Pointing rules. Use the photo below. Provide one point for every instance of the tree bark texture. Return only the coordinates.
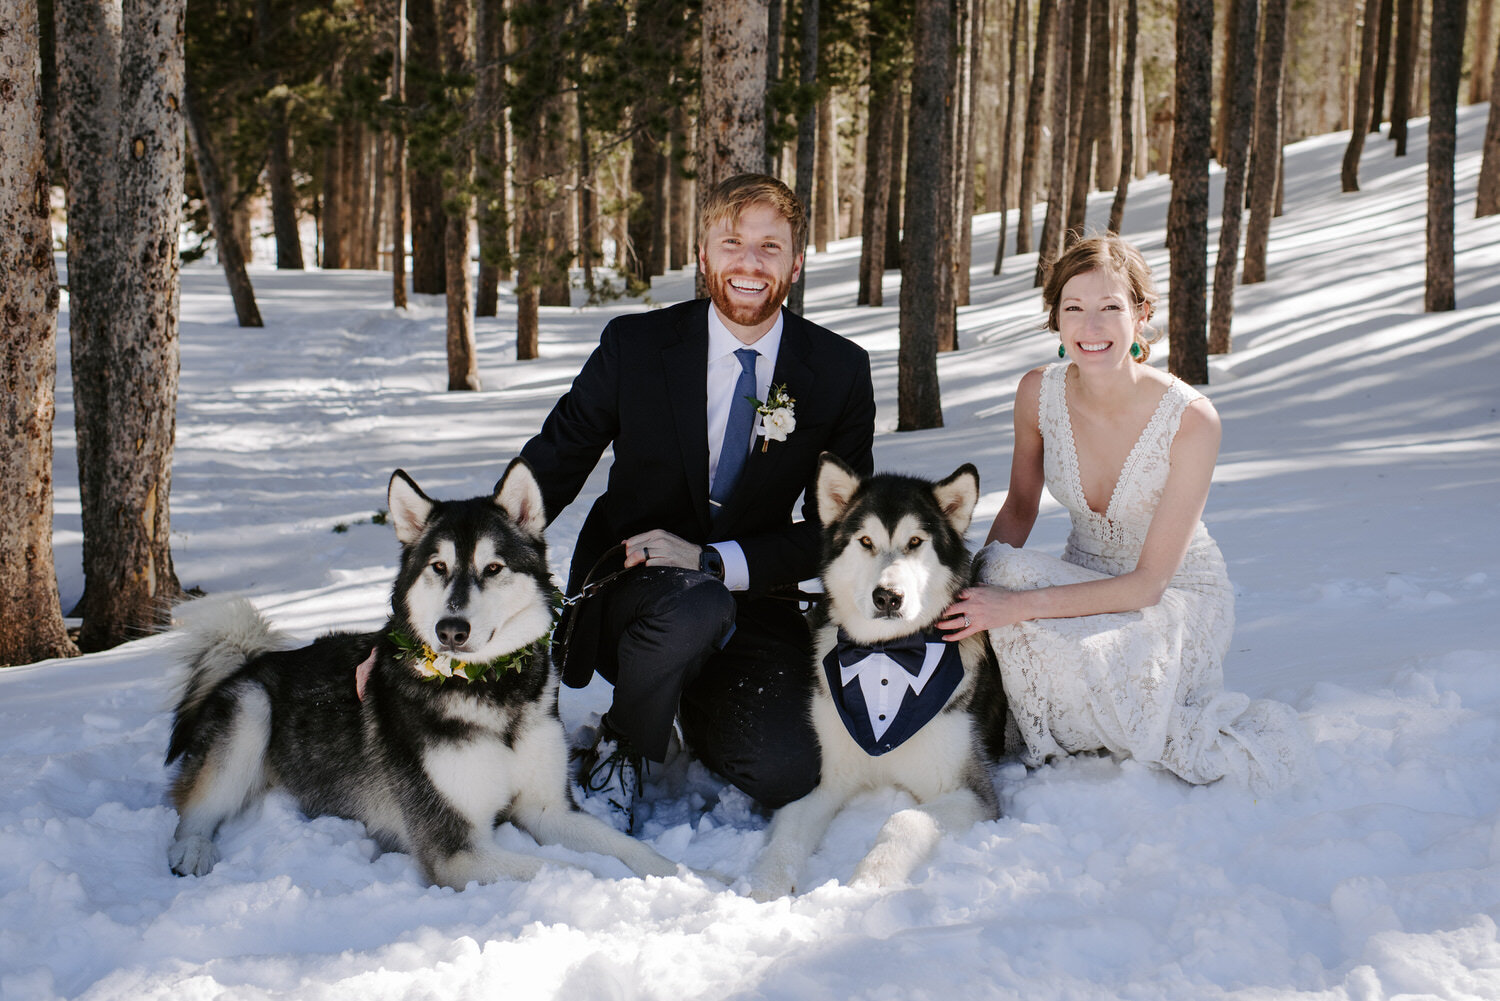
(1127, 116)
(825, 202)
(965, 76)
(680, 190)
(807, 137)
(645, 162)
(927, 310)
(1057, 189)
(1018, 18)
(1408, 27)
(541, 174)
(1442, 141)
(885, 102)
(1227, 75)
(457, 41)
(398, 163)
(425, 186)
(1265, 161)
(1187, 213)
(1078, 57)
(492, 216)
(1485, 46)
(1036, 99)
(1238, 114)
(1382, 63)
(1369, 36)
(231, 256)
(1487, 201)
(31, 624)
(731, 123)
(120, 89)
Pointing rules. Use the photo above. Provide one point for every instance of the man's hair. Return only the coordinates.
(734, 195)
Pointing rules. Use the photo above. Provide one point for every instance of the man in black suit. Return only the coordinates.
(701, 494)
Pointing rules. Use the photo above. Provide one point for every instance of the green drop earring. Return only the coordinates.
(1062, 352)
(1135, 349)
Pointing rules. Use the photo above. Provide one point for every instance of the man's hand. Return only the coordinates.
(658, 548)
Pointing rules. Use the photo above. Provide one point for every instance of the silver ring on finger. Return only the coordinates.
(966, 622)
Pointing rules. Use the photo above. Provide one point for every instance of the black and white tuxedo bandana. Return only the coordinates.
(885, 692)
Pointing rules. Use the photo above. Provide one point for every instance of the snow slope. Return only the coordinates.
(1355, 500)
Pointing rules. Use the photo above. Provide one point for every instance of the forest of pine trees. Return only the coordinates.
(558, 147)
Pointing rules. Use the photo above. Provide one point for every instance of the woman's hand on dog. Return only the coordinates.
(658, 548)
(978, 609)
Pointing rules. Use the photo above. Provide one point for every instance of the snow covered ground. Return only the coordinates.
(1355, 500)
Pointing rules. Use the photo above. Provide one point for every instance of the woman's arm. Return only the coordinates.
(1017, 515)
(1194, 451)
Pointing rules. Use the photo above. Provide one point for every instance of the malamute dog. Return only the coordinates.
(447, 729)
(893, 703)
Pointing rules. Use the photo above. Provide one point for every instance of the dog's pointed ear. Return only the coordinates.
(837, 482)
(957, 495)
(519, 495)
(410, 507)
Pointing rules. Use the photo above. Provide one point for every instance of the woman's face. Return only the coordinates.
(1097, 319)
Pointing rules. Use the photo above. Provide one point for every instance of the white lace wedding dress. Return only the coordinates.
(1148, 684)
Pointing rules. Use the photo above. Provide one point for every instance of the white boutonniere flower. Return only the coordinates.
(778, 416)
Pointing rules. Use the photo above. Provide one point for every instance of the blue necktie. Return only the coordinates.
(736, 448)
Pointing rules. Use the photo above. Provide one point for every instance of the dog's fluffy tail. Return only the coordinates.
(219, 637)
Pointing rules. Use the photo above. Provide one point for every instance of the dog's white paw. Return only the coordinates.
(772, 883)
(193, 855)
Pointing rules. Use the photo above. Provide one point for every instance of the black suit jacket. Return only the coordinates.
(644, 390)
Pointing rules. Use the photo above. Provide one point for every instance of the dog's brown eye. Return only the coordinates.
(493, 568)
(916, 540)
(867, 542)
(440, 568)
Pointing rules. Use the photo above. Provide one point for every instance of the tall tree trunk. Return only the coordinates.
(398, 164)
(967, 27)
(231, 257)
(1239, 114)
(894, 203)
(489, 155)
(1442, 140)
(1017, 20)
(333, 201)
(278, 154)
(1487, 201)
(428, 224)
(31, 624)
(1265, 161)
(774, 21)
(1057, 188)
(120, 88)
(1127, 116)
(1228, 73)
(644, 163)
(1036, 98)
(1480, 87)
(885, 101)
(1382, 63)
(731, 124)
(825, 203)
(458, 61)
(680, 190)
(537, 111)
(927, 310)
(807, 135)
(1079, 150)
(1408, 27)
(1349, 174)
(1187, 213)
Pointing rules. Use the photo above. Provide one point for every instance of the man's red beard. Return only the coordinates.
(746, 314)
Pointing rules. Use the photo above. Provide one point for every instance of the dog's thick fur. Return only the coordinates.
(430, 768)
(893, 560)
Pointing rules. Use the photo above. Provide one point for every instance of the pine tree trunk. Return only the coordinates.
(731, 122)
(1487, 201)
(398, 164)
(927, 310)
(1266, 157)
(333, 203)
(1227, 75)
(1036, 98)
(825, 201)
(1480, 87)
(643, 208)
(1442, 140)
(457, 41)
(967, 27)
(120, 90)
(807, 138)
(1057, 189)
(884, 102)
(537, 117)
(679, 191)
(1239, 114)
(895, 201)
(1080, 150)
(231, 257)
(1187, 213)
(1349, 174)
(1017, 20)
(31, 624)
(1382, 63)
(1096, 122)
(1127, 116)
(1406, 51)
(428, 225)
(491, 154)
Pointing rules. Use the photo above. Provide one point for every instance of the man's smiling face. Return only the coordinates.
(749, 264)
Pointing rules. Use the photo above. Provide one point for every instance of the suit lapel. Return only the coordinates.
(685, 369)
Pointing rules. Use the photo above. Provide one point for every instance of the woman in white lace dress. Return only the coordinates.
(1120, 644)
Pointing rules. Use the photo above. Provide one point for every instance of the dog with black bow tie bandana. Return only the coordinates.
(894, 704)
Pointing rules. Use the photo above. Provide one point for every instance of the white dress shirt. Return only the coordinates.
(723, 374)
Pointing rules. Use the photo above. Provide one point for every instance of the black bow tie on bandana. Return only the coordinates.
(908, 651)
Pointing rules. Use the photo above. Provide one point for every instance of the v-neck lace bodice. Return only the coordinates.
(1111, 542)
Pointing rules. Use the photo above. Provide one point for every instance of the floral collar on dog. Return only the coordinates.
(886, 692)
(440, 667)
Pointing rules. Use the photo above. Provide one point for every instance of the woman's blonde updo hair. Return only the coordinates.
(1119, 260)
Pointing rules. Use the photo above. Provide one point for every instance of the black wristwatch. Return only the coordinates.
(710, 562)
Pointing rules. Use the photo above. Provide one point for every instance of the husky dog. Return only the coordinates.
(448, 728)
(893, 704)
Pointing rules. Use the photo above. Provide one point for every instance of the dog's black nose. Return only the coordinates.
(453, 631)
(887, 602)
